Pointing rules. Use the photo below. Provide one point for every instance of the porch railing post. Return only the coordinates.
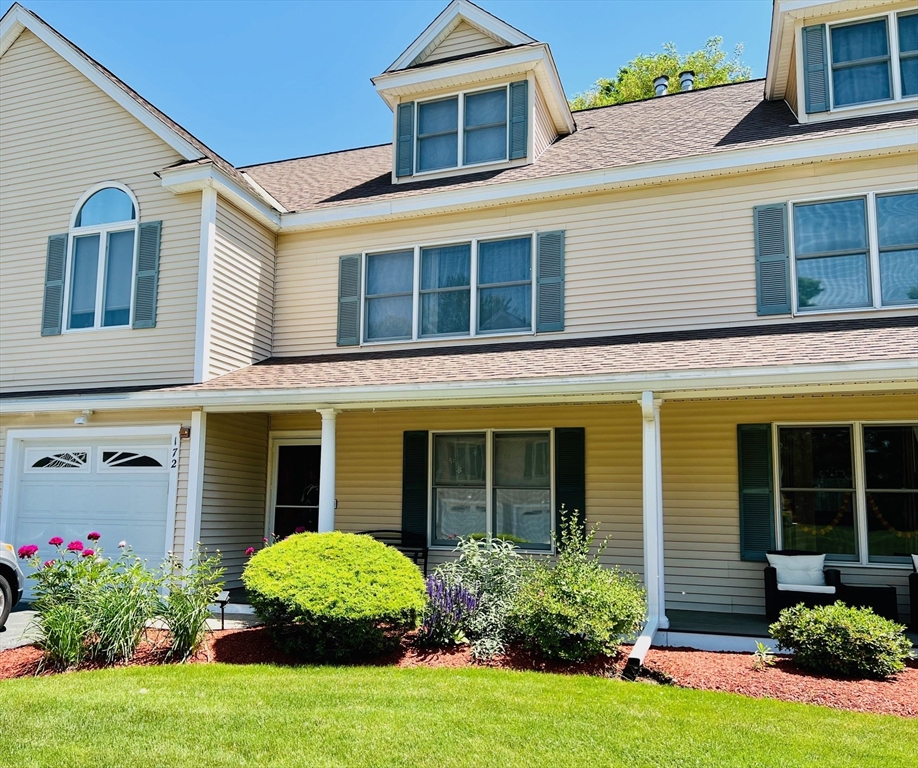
(327, 471)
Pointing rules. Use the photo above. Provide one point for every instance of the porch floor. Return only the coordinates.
(740, 624)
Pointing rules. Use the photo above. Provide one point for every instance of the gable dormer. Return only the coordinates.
(834, 59)
(471, 93)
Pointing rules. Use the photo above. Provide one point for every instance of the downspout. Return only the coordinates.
(653, 533)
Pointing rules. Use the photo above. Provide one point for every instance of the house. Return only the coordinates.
(690, 319)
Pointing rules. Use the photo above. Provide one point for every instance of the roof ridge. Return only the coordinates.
(317, 154)
(668, 95)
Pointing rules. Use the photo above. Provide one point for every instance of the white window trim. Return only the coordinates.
(460, 132)
(873, 251)
(474, 287)
(897, 103)
(489, 483)
(103, 230)
(860, 486)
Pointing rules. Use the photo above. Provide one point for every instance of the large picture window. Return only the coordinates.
(101, 264)
(475, 288)
(495, 483)
(850, 491)
(840, 262)
(874, 59)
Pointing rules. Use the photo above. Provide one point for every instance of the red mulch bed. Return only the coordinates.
(734, 672)
(684, 667)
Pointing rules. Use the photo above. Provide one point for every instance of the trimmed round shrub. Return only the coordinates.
(841, 640)
(577, 609)
(335, 596)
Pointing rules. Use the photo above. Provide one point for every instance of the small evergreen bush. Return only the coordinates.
(576, 609)
(841, 640)
(334, 596)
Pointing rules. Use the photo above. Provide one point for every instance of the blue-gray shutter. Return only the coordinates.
(53, 306)
(815, 69)
(519, 119)
(146, 283)
(772, 260)
(570, 474)
(550, 281)
(404, 164)
(756, 492)
(349, 301)
(415, 482)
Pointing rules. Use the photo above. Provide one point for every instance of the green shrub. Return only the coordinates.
(185, 606)
(576, 608)
(841, 640)
(334, 596)
(490, 571)
(62, 629)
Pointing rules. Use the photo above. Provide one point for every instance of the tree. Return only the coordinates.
(635, 80)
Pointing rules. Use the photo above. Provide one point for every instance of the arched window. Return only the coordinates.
(103, 241)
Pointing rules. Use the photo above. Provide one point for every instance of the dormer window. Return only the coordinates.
(857, 64)
(467, 129)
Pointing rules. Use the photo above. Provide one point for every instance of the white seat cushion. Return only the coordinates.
(915, 562)
(823, 590)
(799, 569)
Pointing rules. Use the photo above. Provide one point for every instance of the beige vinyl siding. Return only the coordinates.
(61, 136)
(235, 475)
(674, 257)
(113, 419)
(464, 40)
(790, 93)
(543, 129)
(243, 291)
(369, 464)
(701, 494)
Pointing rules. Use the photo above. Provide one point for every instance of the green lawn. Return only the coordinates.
(218, 715)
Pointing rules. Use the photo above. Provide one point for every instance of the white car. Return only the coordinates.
(11, 581)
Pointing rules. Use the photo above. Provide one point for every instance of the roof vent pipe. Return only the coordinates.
(660, 85)
(687, 80)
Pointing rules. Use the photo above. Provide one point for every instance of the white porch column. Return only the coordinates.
(653, 509)
(327, 471)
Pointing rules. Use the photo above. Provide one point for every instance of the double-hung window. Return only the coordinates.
(842, 261)
(462, 130)
(873, 60)
(492, 483)
(474, 288)
(850, 490)
(101, 266)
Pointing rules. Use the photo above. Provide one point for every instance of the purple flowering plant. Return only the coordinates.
(449, 605)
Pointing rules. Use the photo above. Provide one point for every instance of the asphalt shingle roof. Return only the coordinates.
(870, 339)
(680, 125)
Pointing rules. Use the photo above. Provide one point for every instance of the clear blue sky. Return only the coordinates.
(261, 81)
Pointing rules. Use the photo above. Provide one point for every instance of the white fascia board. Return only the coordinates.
(18, 18)
(477, 17)
(194, 178)
(392, 85)
(889, 140)
(865, 376)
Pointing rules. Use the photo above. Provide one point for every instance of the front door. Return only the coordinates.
(296, 489)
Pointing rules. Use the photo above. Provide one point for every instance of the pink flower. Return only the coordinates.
(88, 552)
(48, 563)
(122, 544)
(250, 551)
(75, 546)
(94, 536)
(300, 529)
(27, 551)
(264, 539)
(56, 541)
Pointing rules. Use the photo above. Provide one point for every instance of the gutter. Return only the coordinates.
(641, 646)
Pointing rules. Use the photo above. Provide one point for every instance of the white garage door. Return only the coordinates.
(117, 487)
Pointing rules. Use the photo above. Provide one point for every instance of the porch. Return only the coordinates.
(706, 583)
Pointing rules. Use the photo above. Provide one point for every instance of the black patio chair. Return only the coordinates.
(776, 600)
(412, 545)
